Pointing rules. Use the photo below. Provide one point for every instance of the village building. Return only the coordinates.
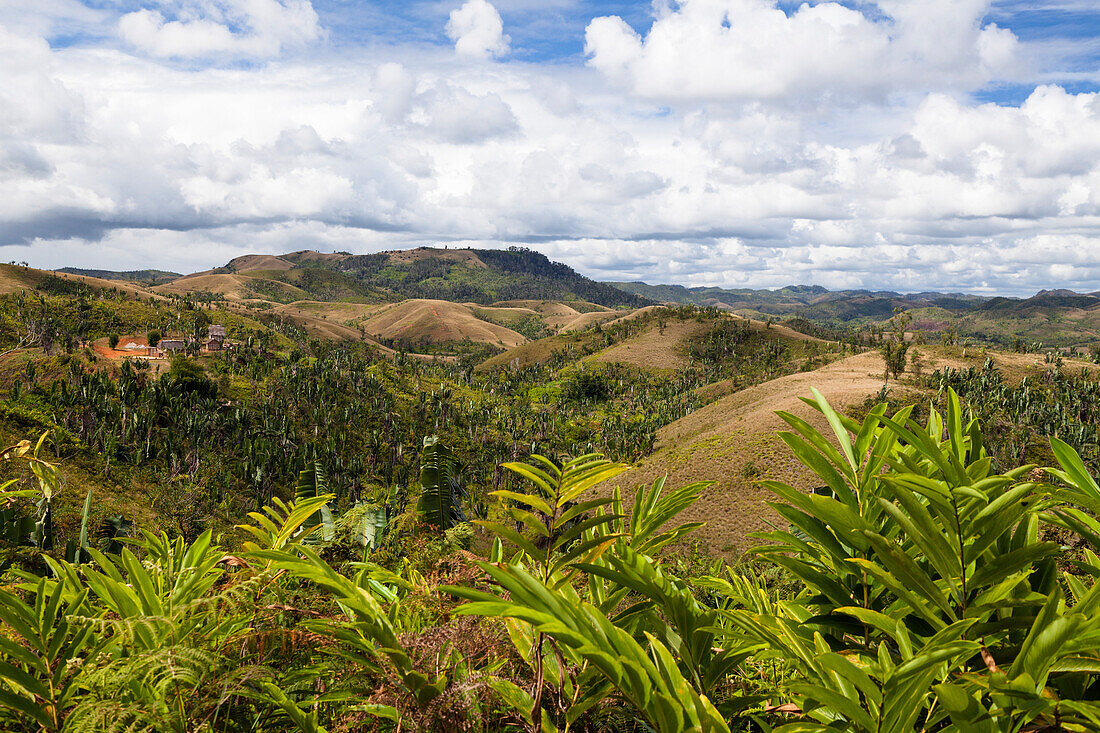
(172, 346)
(215, 338)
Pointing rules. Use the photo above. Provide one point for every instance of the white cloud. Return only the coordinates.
(205, 28)
(113, 158)
(752, 49)
(477, 30)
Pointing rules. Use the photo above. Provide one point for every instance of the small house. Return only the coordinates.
(215, 338)
(172, 346)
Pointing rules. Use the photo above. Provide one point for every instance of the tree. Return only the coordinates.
(894, 347)
(152, 338)
(112, 340)
(191, 377)
(202, 320)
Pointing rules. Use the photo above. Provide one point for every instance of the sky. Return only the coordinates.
(910, 145)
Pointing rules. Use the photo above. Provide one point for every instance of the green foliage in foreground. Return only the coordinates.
(928, 598)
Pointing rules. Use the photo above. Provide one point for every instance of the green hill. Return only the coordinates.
(152, 277)
(481, 276)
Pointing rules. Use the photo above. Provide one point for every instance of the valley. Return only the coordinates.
(373, 427)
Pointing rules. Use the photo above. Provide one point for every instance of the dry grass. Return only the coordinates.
(533, 352)
(585, 320)
(1014, 366)
(231, 287)
(656, 347)
(324, 329)
(309, 255)
(436, 321)
(545, 307)
(502, 315)
(733, 441)
(259, 262)
(635, 314)
(451, 255)
(347, 314)
(14, 278)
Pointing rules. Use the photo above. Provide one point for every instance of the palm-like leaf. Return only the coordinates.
(646, 675)
(441, 491)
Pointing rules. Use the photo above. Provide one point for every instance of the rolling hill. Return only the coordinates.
(481, 276)
(808, 301)
(419, 298)
(1054, 318)
(151, 277)
(734, 440)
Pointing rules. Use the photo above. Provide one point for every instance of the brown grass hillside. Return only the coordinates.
(545, 307)
(246, 263)
(232, 287)
(585, 320)
(436, 321)
(464, 256)
(503, 315)
(733, 441)
(14, 278)
(656, 347)
(309, 255)
(666, 347)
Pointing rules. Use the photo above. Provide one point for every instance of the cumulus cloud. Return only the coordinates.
(752, 49)
(477, 30)
(202, 29)
(114, 158)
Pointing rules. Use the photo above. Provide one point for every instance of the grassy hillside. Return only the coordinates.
(327, 616)
(495, 299)
(1059, 318)
(151, 277)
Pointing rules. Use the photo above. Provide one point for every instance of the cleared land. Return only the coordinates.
(259, 262)
(427, 253)
(733, 441)
(14, 278)
(657, 347)
(232, 287)
(436, 321)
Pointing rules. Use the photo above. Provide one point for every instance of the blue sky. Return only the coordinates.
(554, 31)
(907, 144)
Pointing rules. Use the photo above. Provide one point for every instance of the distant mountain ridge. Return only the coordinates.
(809, 301)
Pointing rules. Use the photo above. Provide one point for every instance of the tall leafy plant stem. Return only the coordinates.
(962, 552)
